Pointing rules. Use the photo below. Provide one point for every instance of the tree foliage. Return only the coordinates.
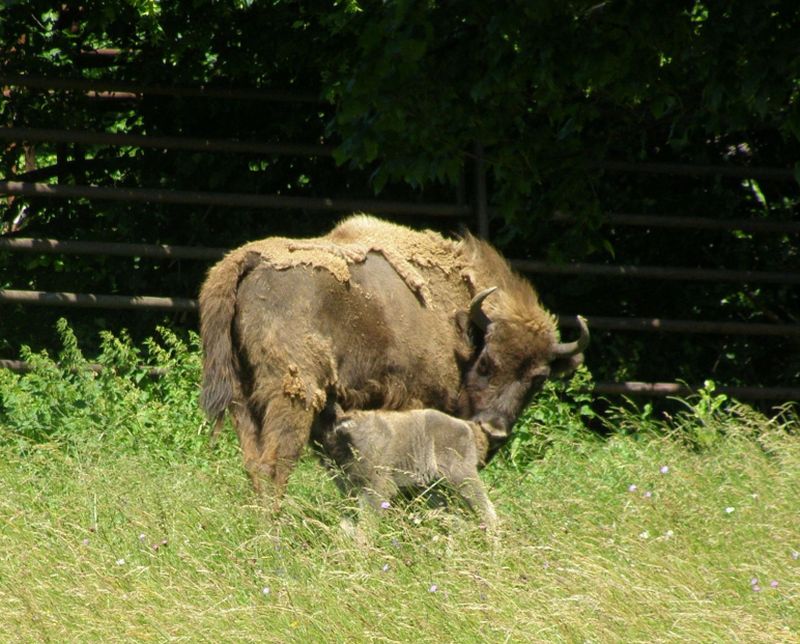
(551, 89)
(409, 92)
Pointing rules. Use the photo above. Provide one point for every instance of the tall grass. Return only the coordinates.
(118, 522)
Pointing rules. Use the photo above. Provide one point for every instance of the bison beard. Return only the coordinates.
(375, 316)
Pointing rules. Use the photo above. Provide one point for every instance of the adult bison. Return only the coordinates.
(375, 316)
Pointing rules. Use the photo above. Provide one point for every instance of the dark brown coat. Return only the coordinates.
(375, 315)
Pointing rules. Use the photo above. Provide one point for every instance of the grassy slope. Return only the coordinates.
(118, 523)
(581, 557)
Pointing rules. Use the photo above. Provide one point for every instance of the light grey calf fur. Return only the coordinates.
(381, 452)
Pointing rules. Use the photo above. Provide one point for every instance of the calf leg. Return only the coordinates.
(473, 492)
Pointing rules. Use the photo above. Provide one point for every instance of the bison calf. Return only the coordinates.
(382, 452)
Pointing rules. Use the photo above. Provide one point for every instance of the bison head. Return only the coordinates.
(512, 359)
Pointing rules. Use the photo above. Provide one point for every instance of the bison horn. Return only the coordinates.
(569, 349)
(476, 314)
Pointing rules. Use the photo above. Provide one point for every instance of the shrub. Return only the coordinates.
(133, 399)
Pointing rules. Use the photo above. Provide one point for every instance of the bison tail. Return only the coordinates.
(217, 308)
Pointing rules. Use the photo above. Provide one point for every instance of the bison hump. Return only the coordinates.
(408, 252)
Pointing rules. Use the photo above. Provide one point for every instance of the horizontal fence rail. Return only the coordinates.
(20, 366)
(667, 389)
(525, 266)
(67, 247)
(655, 272)
(694, 223)
(239, 200)
(690, 170)
(658, 325)
(91, 300)
(134, 89)
(36, 135)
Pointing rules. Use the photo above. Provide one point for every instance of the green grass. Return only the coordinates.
(128, 527)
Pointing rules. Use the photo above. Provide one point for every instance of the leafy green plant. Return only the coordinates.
(560, 410)
(132, 399)
(704, 422)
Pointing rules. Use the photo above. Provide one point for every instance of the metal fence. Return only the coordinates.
(27, 185)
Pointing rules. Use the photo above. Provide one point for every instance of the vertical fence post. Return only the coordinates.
(481, 208)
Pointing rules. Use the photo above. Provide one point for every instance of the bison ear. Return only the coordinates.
(472, 324)
(462, 323)
(565, 366)
(471, 334)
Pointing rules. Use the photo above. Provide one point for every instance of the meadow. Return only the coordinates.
(118, 522)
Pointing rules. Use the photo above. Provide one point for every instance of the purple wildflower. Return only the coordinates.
(632, 487)
(385, 505)
(756, 588)
(664, 469)
(648, 494)
(773, 583)
(433, 588)
(754, 581)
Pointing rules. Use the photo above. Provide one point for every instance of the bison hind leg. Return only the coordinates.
(247, 430)
(285, 430)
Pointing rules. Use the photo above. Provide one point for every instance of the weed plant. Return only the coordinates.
(119, 523)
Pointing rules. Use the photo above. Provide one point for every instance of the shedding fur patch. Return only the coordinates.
(404, 249)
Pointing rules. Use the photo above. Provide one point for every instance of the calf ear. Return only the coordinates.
(493, 432)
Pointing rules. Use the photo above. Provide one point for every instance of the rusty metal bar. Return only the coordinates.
(689, 170)
(600, 323)
(239, 200)
(106, 86)
(697, 223)
(655, 272)
(665, 389)
(198, 252)
(659, 325)
(39, 135)
(19, 366)
(90, 300)
(158, 251)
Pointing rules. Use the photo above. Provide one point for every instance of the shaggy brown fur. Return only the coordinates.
(374, 314)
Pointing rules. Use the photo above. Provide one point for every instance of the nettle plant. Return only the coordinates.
(136, 398)
(561, 409)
